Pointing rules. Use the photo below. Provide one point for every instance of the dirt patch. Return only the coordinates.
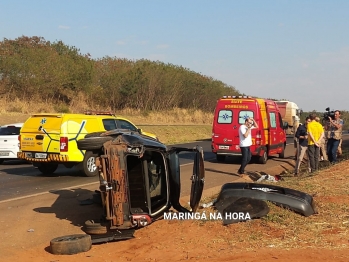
(282, 235)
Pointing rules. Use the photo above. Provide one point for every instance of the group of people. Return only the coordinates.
(313, 139)
(317, 140)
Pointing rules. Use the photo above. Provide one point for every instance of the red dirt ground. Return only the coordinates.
(164, 240)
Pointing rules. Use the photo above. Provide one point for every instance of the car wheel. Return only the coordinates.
(93, 143)
(220, 158)
(93, 228)
(94, 134)
(71, 244)
(282, 154)
(47, 168)
(89, 164)
(264, 158)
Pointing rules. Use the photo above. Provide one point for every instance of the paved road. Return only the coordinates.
(20, 179)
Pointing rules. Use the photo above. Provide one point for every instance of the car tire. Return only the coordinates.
(71, 244)
(1, 161)
(220, 158)
(263, 158)
(93, 228)
(94, 134)
(47, 168)
(89, 164)
(93, 143)
(282, 154)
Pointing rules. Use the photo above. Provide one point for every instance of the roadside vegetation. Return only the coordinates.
(285, 229)
(33, 69)
(39, 76)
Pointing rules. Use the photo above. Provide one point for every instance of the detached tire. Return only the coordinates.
(93, 143)
(71, 244)
(93, 228)
(94, 134)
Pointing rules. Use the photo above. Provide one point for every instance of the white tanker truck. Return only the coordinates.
(290, 113)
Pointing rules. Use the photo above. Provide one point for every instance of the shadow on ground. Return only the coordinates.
(75, 205)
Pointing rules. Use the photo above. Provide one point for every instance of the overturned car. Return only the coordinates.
(139, 179)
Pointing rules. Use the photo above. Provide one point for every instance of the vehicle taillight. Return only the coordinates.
(259, 137)
(63, 144)
(19, 141)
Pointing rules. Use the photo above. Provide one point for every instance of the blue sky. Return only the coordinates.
(292, 49)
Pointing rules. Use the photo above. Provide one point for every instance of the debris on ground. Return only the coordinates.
(269, 178)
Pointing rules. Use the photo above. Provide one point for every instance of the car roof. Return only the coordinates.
(16, 125)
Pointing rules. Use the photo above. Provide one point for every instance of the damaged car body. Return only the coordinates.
(140, 180)
(251, 197)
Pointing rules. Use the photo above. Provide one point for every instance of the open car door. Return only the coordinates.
(197, 178)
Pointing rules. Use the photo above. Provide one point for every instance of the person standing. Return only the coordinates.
(334, 135)
(315, 134)
(323, 153)
(295, 139)
(302, 136)
(246, 142)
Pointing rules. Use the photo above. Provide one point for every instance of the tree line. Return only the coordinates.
(31, 67)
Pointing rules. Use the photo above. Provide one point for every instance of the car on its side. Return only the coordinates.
(9, 144)
(140, 180)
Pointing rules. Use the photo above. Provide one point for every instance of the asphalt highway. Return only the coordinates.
(19, 179)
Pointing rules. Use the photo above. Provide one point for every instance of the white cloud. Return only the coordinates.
(64, 27)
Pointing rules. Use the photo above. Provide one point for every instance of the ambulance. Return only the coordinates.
(267, 140)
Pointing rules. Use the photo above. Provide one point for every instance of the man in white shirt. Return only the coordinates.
(246, 142)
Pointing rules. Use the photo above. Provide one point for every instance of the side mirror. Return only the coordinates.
(139, 130)
(285, 125)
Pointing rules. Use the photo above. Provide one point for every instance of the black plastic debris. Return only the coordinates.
(238, 209)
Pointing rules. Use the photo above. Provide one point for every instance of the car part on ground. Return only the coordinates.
(115, 235)
(237, 209)
(71, 244)
(295, 200)
(95, 228)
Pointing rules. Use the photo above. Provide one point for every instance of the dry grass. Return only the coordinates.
(80, 104)
(173, 126)
(285, 229)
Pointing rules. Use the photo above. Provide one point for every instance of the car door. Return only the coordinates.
(197, 178)
(281, 134)
(273, 141)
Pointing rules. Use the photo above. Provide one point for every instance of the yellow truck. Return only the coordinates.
(47, 140)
